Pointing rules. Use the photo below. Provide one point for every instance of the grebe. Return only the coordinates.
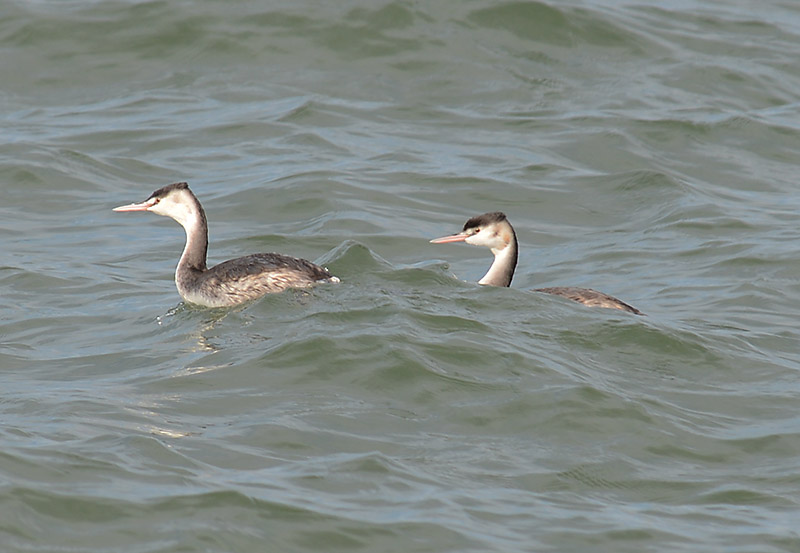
(231, 282)
(493, 231)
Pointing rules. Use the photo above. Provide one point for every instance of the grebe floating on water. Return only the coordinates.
(231, 282)
(493, 231)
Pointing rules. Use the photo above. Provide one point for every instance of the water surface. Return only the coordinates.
(646, 149)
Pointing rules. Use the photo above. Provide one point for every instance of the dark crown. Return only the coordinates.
(485, 219)
(165, 190)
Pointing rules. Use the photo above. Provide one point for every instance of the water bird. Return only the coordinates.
(492, 230)
(231, 282)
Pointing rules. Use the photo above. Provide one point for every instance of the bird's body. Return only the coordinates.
(589, 297)
(493, 230)
(231, 282)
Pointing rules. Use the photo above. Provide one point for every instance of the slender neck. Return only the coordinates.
(505, 261)
(194, 253)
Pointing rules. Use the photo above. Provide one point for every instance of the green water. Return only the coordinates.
(645, 149)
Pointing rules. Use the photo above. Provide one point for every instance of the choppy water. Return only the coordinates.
(646, 149)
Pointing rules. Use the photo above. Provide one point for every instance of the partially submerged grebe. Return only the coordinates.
(231, 282)
(493, 231)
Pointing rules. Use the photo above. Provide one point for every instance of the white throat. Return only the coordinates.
(502, 270)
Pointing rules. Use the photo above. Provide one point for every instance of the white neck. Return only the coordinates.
(502, 270)
(194, 252)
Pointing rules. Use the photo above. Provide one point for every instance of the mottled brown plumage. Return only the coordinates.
(493, 231)
(231, 282)
(589, 297)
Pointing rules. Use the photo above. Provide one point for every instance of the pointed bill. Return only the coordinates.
(142, 206)
(460, 237)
